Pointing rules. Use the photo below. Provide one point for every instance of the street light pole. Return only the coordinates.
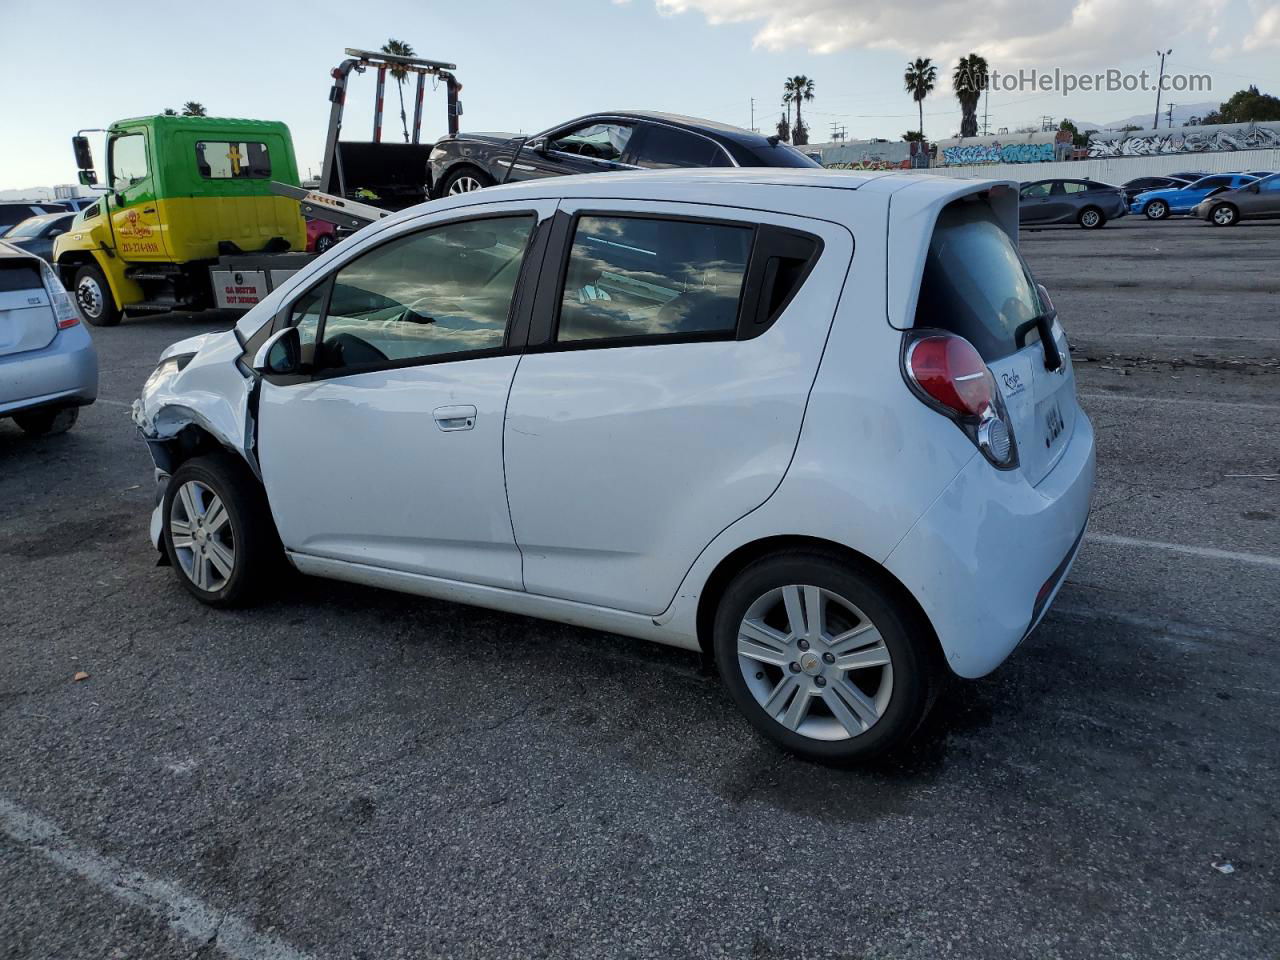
(1155, 124)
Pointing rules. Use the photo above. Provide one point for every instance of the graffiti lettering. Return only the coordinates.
(998, 153)
(1146, 143)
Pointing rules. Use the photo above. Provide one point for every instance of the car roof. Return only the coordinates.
(724, 131)
(46, 217)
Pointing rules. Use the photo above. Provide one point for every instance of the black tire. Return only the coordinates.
(918, 671)
(1157, 210)
(250, 532)
(461, 174)
(1224, 215)
(93, 297)
(1091, 218)
(47, 422)
(325, 241)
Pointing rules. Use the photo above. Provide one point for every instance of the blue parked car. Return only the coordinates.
(1158, 204)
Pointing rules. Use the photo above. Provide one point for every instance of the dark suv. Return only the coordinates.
(599, 142)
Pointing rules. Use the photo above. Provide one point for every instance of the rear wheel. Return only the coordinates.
(465, 180)
(218, 531)
(44, 422)
(822, 660)
(1157, 210)
(325, 241)
(1091, 218)
(1224, 215)
(93, 297)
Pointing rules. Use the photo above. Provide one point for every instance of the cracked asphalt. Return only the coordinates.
(349, 773)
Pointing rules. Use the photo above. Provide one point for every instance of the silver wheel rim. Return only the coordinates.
(201, 531)
(815, 662)
(1090, 218)
(1223, 215)
(463, 184)
(1157, 210)
(89, 296)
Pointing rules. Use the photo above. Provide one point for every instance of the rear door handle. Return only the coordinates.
(459, 417)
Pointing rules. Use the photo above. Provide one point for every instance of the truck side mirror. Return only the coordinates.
(281, 354)
(84, 156)
(88, 178)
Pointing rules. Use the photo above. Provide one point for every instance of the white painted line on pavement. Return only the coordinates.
(185, 914)
(1211, 553)
(113, 403)
(1239, 404)
(1103, 334)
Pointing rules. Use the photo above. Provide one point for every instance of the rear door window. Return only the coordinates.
(232, 160)
(644, 277)
(975, 283)
(668, 147)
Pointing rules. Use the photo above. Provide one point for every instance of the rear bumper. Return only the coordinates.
(988, 557)
(64, 374)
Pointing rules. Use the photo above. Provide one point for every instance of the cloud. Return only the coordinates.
(1009, 33)
(1265, 34)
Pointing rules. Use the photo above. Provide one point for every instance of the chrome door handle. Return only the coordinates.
(460, 417)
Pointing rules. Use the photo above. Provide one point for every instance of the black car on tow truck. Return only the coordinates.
(624, 140)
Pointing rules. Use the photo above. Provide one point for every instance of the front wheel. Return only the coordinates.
(465, 180)
(1224, 215)
(1091, 218)
(218, 531)
(325, 241)
(822, 659)
(1157, 210)
(93, 297)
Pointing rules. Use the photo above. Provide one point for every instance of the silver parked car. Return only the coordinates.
(48, 367)
(1086, 202)
(1259, 200)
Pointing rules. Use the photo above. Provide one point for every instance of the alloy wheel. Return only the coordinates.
(815, 662)
(1090, 218)
(200, 528)
(1223, 216)
(464, 184)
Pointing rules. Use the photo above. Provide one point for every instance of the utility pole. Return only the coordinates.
(986, 102)
(1171, 106)
(1155, 124)
(753, 114)
(838, 132)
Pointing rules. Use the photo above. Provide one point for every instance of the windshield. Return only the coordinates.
(29, 228)
(975, 283)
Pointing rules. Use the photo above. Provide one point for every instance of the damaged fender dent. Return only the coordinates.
(190, 396)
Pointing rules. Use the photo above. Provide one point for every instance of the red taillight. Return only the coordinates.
(951, 371)
(68, 322)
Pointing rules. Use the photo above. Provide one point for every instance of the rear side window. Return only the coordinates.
(975, 283)
(232, 160)
(19, 273)
(634, 277)
(667, 147)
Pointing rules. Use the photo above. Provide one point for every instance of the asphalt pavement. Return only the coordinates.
(349, 773)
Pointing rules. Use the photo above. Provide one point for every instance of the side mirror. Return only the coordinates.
(88, 178)
(539, 146)
(281, 354)
(84, 156)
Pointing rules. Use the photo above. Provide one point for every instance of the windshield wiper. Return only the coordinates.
(1044, 324)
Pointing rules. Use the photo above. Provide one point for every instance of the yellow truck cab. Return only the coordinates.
(188, 219)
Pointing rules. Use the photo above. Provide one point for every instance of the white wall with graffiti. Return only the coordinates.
(1229, 137)
(1041, 147)
(1119, 169)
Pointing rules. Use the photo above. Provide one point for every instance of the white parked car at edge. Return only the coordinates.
(821, 426)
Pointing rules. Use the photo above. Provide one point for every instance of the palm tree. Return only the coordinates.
(398, 48)
(193, 108)
(969, 80)
(920, 79)
(799, 88)
(170, 112)
(784, 125)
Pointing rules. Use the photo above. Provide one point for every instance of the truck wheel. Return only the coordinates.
(93, 297)
(464, 180)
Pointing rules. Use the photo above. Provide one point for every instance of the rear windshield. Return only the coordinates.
(776, 155)
(19, 273)
(975, 283)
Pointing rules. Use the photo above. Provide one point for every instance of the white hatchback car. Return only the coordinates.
(821, 426)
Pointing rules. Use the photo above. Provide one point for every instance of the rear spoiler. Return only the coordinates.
(349, 214)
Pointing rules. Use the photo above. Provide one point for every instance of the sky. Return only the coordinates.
(526, 66)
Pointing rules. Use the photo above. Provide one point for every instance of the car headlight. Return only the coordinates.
(168, 368)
